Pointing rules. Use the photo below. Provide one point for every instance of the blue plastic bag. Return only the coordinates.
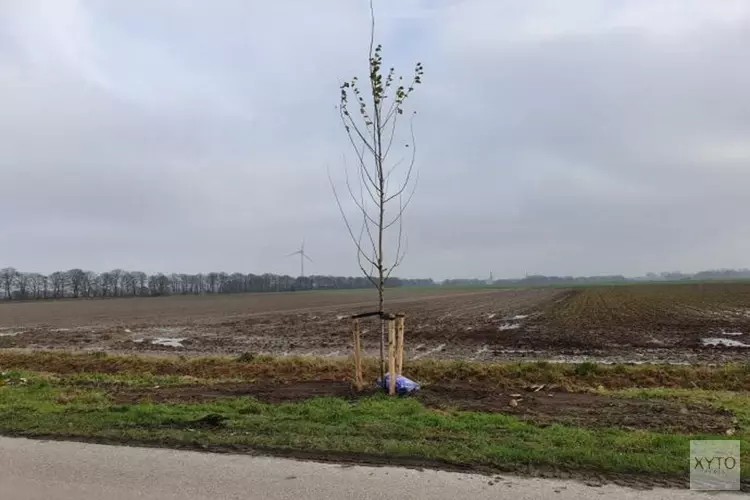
(403, 384)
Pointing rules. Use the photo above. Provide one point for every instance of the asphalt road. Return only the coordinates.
(39, 470)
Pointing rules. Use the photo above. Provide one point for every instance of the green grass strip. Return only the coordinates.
(377, 425)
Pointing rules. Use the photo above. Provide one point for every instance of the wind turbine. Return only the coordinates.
(302, 257)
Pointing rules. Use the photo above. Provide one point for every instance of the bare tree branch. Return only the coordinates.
(357, 202)
(390, 139)
(411, 164)
(346, 221)
(365, 223)
(351, 125)
(400, 220)
(405, 205)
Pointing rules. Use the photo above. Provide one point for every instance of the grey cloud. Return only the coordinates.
(599, 141)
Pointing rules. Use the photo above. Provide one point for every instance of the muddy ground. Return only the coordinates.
(541, 407)
(653, 323)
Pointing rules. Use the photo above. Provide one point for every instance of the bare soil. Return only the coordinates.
(639, 323)
(308, 323)
(579, 409)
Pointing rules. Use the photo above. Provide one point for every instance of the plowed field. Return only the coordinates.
(674, 323)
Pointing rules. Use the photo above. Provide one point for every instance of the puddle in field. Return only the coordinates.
(575, 360)
(578, 359)
(638, 358)
(724, 332)
(166, 336)
(57, 330)
(520, 316)
(11, 333)
(715, 342)
(728, 314)
(485, 349)
(169, 342)
(439, 348)
(508, 326)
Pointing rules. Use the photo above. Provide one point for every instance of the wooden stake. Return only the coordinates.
(358, 380)
(400, 344)
(391, 356)
(359, 360)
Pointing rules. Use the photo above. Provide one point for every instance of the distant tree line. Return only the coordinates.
(77, 283)
(542, 280)
(535, 280)
(466, 282)
(713, 274)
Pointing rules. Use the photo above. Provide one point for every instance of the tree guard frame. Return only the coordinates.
(395, 324)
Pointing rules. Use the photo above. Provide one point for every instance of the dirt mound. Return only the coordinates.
(584, 409)
(579, 409)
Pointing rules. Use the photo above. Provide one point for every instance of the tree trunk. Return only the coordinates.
(382, 331)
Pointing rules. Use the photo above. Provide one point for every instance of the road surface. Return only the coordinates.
(39, 470)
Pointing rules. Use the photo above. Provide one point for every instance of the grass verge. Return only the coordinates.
(249, 367)
(67, 399)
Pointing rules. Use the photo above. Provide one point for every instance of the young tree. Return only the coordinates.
(370, 115)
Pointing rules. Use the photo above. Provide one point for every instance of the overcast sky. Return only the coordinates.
(577, 137)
